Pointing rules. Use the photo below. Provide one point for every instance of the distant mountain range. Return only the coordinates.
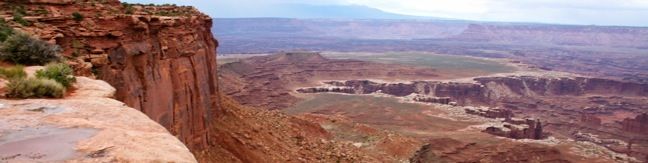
(306, 11)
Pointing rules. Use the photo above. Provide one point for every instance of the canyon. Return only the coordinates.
(534, 97)
(531, 103)
(176, 103)
(162, 62)
(600, 51)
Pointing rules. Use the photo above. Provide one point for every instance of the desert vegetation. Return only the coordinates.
(59, 72)
(50, 82)
(13, 72)
(21, 48)
(34, 88)
(159, 10)
(17, 48)
(77, 16)
(5, 30)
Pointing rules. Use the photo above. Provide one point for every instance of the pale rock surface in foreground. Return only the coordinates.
(86, 126)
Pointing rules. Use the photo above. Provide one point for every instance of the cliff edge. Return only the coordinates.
(86, 126)
(160, 59)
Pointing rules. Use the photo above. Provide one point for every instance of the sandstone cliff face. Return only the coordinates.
(168, 71)
(638, 124)
(164, 66)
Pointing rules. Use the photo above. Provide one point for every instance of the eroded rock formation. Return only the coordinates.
(164, 66)
(492, 113)
(489, 89)
(603, 107)
(519, 129)
(638, 124)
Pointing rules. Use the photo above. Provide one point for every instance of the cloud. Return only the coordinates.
(599, 12)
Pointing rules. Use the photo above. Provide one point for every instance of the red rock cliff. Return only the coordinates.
(167, 69)
(161, 59)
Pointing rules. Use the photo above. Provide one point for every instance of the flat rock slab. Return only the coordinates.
(44, 144)
(86, 126)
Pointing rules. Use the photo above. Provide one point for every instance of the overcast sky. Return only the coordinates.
(587, 12)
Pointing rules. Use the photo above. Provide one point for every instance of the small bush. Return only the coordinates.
(34, 88)
(5, 30)
(18, 18)
(60, 72)
(13, 72)
(23, 49)
(77, 16)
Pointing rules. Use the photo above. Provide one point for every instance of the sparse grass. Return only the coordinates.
(21, 48)
(5, 31)
(60, 72)
(34, 88)
(13, 72)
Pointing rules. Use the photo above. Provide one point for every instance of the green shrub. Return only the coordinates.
(77, 16)
(18, 18)
(60, 72)
(13, 72)
(34, 88)
(23, 49)
(5, 30)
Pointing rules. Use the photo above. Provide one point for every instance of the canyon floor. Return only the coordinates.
(426, 107)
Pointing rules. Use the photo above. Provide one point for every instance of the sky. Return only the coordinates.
(582, 12)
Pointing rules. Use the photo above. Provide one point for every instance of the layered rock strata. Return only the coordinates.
(489, 89)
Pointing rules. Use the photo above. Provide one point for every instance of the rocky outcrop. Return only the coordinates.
(638, 124)
(451, 150)
(434, 100)
(488, 90)
(529, 86)
(161, 59)
(519, 129)
(492, 113)
(86, 126)
(167, 69)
